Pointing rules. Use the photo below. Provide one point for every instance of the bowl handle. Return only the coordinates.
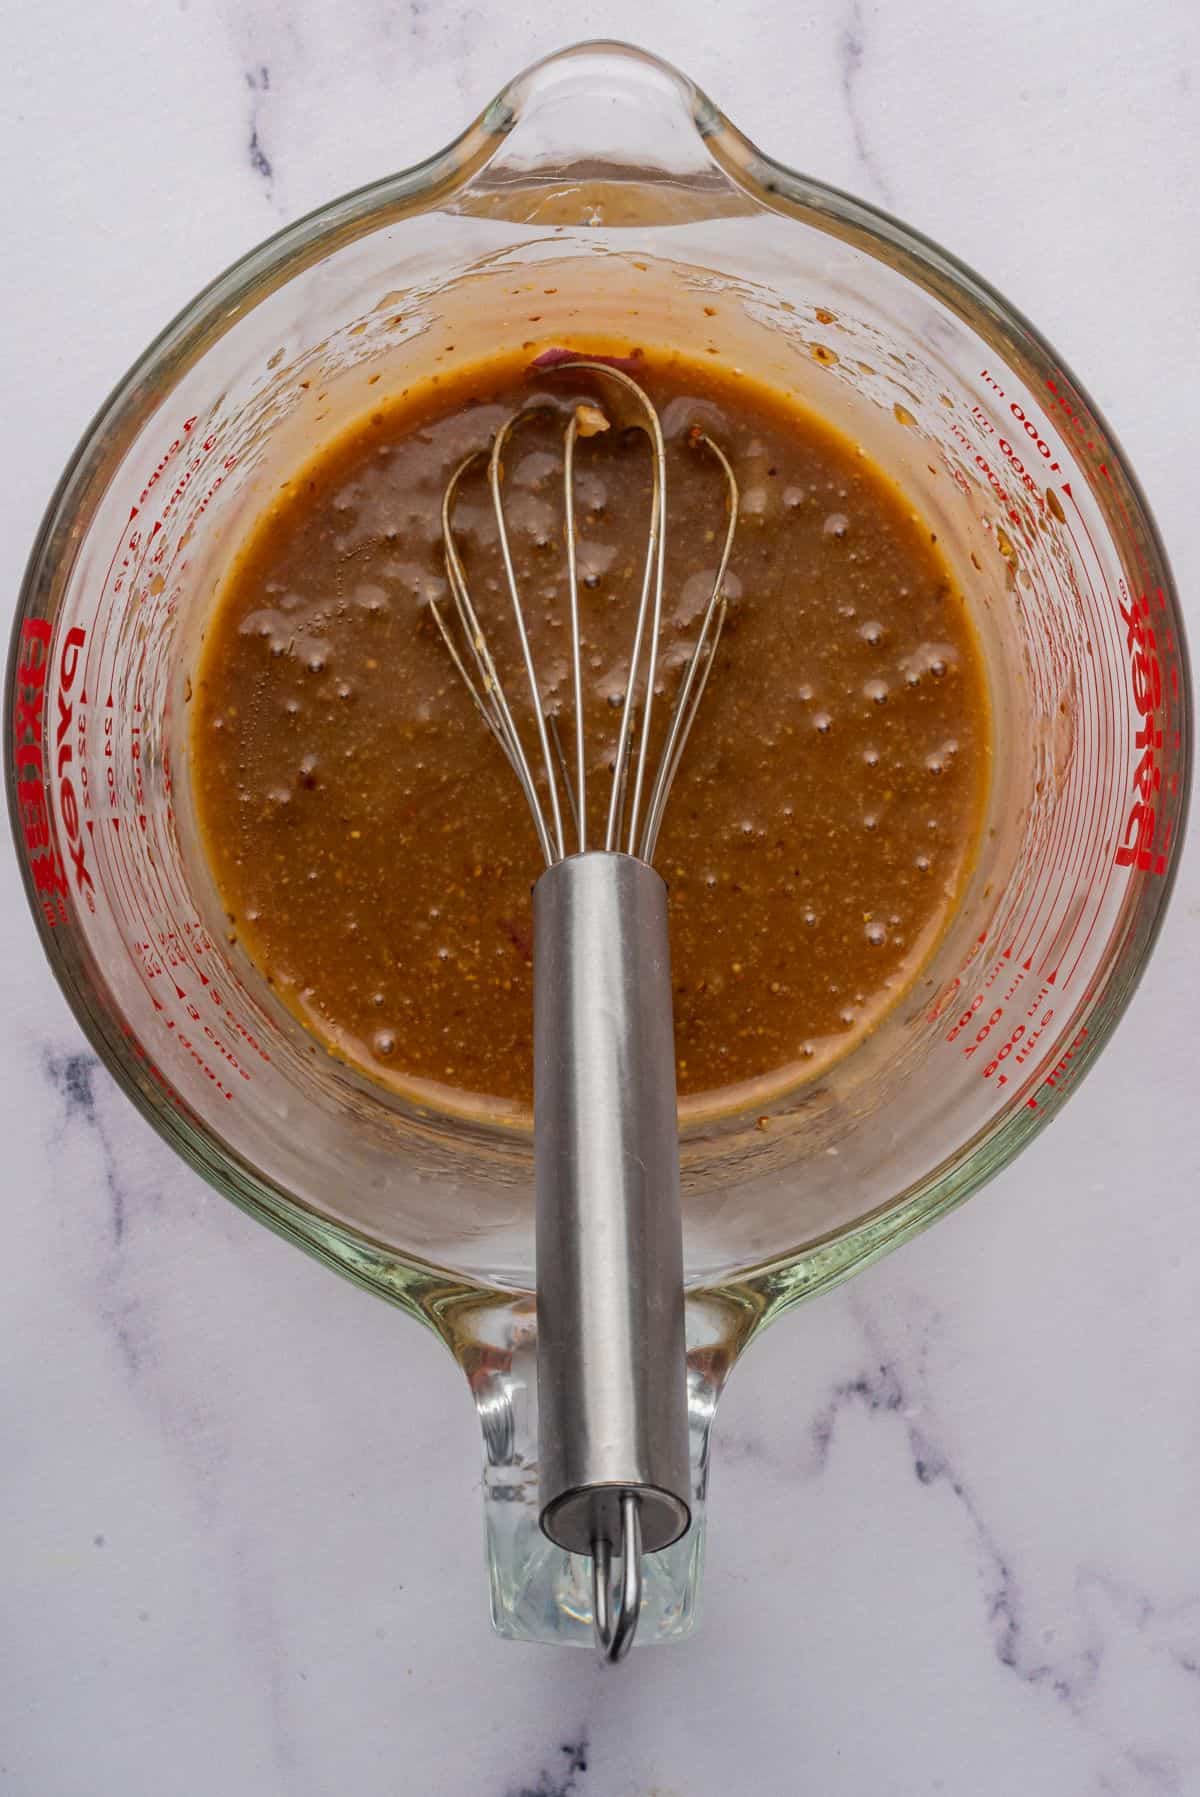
(540, 1592)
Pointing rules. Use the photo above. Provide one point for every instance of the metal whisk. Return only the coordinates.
(612, 1376)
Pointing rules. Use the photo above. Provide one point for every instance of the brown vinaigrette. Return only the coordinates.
(371, 845)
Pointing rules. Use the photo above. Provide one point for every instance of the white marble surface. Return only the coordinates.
(955, 1527)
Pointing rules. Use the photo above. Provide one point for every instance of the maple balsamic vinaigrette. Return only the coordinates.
(372, 847)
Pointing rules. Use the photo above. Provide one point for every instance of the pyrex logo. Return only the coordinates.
(64, 759)
(1139, 847)
(29, 710)
(31, 752)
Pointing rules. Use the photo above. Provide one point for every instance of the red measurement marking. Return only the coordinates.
(1034, 440)
(184, 1040)
(155, 1071)
(1077, 419)
(120, 899)
(1102, 774)
(168, 455)
(982, 466)
(1076, 836)
(122, 887)
(1037, 886)
(1046, 850)
(125, 539)
(1085, 787)
(1042, 663)
(93, 646)
(1078, 424)
(1062, 1070)
(131, 881)
(1072, 821)
(234, 1023)
(1044, 855)
(1033, 885)
(1102, 863)
(138, 545)
(150, 874)
(1134, 538)
(1038, 860)
(126, 885)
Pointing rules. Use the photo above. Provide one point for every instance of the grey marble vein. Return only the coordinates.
(73, 1076)
(898, 1390)
(259, 82)
(852, 54)
(563, 1778)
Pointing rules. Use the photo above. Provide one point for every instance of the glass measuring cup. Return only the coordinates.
(602, 194)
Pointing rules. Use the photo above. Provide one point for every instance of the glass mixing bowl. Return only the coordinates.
(602, 196)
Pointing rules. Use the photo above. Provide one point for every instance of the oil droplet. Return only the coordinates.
(820, 352)
(902, 414)
(383, 1042)
(876, 934)
(836, 525)
(823, 722)
(1055, 504)
(876, 691)
(824, 316)
(871, 633)
(871, 757)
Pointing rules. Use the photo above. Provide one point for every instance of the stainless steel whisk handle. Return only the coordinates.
(612, 1374)
(612, 1377)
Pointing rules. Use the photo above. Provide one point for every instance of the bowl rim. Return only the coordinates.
(405, 1278)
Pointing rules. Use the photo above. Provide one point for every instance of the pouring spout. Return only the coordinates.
(607, 100)
(539, 1591)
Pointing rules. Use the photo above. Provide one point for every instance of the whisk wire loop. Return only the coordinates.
(638, 795)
